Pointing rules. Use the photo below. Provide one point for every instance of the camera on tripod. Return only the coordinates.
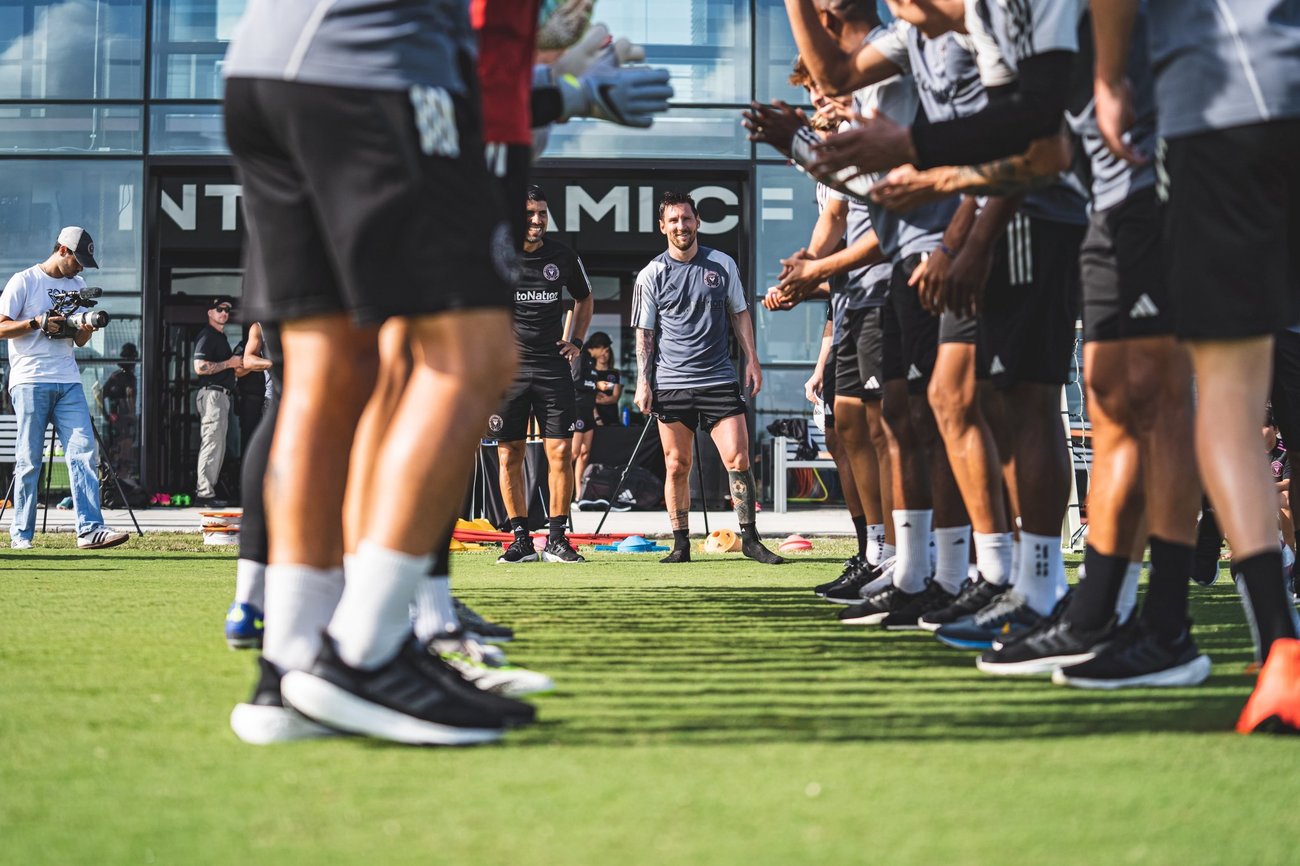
(66, 304)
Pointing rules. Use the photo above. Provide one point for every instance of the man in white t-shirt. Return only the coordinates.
(45, 387)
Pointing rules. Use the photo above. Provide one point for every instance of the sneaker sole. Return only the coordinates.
(903, 627)
(857, 599)
(868, 619)
(551, 557)
(1032, 666)
(501, 560)
(328, 704)
(1191, 673)
(243, 643)
(961, 644)
(107, 544)
(262, 726)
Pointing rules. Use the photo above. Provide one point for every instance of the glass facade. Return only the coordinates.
(97, 95)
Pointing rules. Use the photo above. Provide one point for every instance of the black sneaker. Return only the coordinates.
(593, 504)
(560, 550)
(852, 566)
(975, 595)
(1053, 644)
(677, 554)
(847, 589)
(909, 608)
(625, 501)
(1139, 657)
(754, 549)
(475, 623)
(520, 550)
(1007, 616)
(414, 698)
(264, 719)
(873, 609)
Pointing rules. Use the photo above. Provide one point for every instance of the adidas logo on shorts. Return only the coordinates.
(913, 373)
(997, 367)
(872, 384)
(1145, 308)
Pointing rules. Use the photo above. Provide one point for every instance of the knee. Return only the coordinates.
(953, 408)
(677, 466)
(559, 452)
(737, 462)
(896, 414)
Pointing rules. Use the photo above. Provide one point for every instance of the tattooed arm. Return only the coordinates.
(645, 353)
(906, 187)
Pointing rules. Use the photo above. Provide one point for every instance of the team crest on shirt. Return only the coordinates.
(712, 279)
(551, 272)
(495, 423)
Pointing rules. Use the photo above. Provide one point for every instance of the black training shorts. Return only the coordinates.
(546, 396)
(1232, 228)
(871, 353)
(1122, 267)
(1031, 303)
(356, 202)
(698, 408)
(848, 381)
(912, 338)
(828, 389)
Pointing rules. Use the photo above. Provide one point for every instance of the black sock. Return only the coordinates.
(681, 538)
(860, 527)
(519, 526)
(1164, 609)
(749, 532)
(1263, 593)
(557, 525)
(1093, 602)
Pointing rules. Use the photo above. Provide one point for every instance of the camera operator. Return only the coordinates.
(45, 387)
(216, 367)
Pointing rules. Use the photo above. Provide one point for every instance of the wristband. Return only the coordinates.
(947, 250)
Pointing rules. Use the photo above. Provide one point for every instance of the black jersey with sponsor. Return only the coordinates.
(548, 272)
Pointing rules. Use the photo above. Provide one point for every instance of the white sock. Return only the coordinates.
(1128, 592)
(1015, 550)
(434, 612)
(374, 614)
(1040, 577)
(934, 552)
(887, 552)
(299, 603)
(952, 546)
(875, 543)
(995, 556)
(972, 572)
(912, 529)
(250, 583)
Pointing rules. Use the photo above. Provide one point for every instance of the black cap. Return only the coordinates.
(81, 243)
(599, 340)
(219, 300)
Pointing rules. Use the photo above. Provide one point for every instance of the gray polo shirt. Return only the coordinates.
(688, 306)
(1224, 63)
(368, 44)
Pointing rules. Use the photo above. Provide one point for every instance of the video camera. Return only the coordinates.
(66, 304)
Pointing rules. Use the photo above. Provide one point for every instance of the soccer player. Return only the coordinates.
(1229, 114)
(682, 304)
(543, 387)
(367, 197)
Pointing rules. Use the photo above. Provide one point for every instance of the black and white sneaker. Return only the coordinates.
(264, 719)
(910, 607)
(873, 609)
(593, 504)
(414, 698)
(1139, 657)
(1004, 618)
(560, 550)
(847, 589)
(975, 595)
(852, 566)
(625, 501)
(1053, 644)
(520, 550)
(473, 622)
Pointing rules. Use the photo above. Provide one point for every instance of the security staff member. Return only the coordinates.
(215, 365)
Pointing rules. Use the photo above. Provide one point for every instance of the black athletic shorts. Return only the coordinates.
(954, 328)
(698, 408)
(1031, 303)
(349, 208)
(911, 339)
(848, 381)
(871, 349)
(828, 389)
(546, 396)
(1286, 388)
(584, 417)
(1122, 268)
(1232, 228)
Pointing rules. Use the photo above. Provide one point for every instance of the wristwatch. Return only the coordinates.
(34, 324)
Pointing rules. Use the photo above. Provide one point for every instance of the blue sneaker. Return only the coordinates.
(1007, 616)
(244, 626)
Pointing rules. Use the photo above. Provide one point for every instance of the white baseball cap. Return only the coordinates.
(81, 243)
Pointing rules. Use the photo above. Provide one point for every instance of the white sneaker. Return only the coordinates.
(20, 544)
(487, 668)
(101, 538)
(264, 719)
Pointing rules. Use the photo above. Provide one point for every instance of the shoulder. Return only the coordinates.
(653, 269)
(719, 258)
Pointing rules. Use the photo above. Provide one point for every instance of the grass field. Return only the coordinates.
(712, 713)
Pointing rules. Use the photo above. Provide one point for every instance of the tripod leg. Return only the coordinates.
(106, 469)
(8, 494)
(699, 475)
(613, 496)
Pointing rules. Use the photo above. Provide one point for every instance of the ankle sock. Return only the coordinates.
(993, 556)
(1040, 577)
(1095, 597)
(875, 543)
(250, 583)
(1164, 609)
(373, 617)
(1263, 594)
(435, 613)
(952, 555)
(556, 526)
(912, 529)
(681, 538)
(299, 601)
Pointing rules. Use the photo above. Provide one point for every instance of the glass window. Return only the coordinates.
(786, 206)
(775, 53)
(682, 133)
(781, 397)
(704, 43)
(189, 45)
(187, 129)
(75, 49)
(71, 129)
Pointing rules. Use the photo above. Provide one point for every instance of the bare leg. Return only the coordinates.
(855, 438)
(559, 462)
(581, 455)
(677, 439)
(971, 450)
(732, 438)
(885, 465)
(510, 474)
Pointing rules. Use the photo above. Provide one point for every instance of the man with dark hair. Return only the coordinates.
(216, 367)
(543, 387)
(681, 306)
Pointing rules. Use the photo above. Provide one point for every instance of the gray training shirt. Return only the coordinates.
(688, 305)
(369, 44)
(1224, 63)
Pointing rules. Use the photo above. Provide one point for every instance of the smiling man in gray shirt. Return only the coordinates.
(683, 302)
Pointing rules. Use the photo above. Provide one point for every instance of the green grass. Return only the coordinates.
(712, 713)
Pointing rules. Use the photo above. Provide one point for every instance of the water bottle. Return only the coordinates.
(627, 416)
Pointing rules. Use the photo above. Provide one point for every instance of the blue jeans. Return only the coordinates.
(38, 405)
